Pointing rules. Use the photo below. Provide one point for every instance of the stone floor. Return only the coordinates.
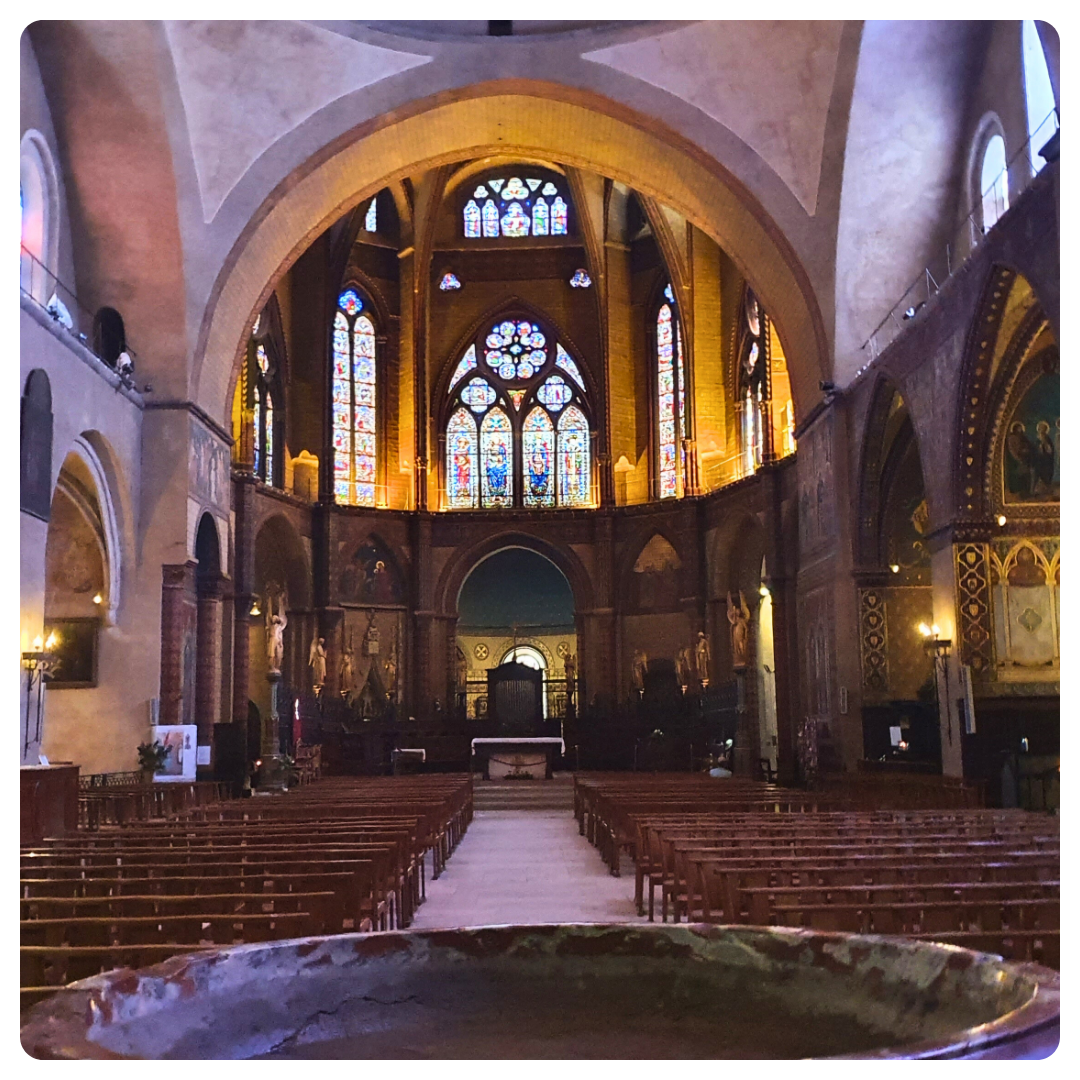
(517, 866)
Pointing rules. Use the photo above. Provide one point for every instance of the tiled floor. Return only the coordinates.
(526, 867)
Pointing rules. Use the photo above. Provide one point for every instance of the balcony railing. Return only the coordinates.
(962, 243)
(48, 292)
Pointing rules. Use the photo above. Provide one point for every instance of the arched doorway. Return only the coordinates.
(516, 605)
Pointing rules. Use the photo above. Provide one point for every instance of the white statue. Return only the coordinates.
(317, 662)
(345, 672)
(275, 632)
(739, 617)
(703, 657)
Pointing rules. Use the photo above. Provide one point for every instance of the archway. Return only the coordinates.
(548, 124)
(516, 605)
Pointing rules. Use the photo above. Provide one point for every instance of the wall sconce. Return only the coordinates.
(1001, 519)
(38, 662)
(97, 598)
(764, 590)
(894, 567)
(937, 648)
(255, 607)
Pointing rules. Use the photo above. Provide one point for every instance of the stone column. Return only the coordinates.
(178, 643)
(208, 650)
(243, 595)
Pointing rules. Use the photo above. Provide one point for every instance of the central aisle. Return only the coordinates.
(525, 866)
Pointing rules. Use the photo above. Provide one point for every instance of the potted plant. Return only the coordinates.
(152, 758)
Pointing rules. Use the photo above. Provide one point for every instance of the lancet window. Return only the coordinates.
(260, 389)
(354, 412)
(518, 429)
(671, 399)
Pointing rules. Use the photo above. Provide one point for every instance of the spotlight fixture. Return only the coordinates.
(764, 590)
(1001, 520)
(255, 607)
(97, 598)
(894, 567)
(913, 311)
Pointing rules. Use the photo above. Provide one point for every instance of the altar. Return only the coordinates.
(517, 758)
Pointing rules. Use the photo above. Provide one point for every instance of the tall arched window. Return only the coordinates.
(994, 182)
(516, 206)
(1038, 94)
(39, 204)
(752, 383)
(518, 431)
(671, 399)
(262, 377)
(353, 402)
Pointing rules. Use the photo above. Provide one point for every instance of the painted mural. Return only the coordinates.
(1032, 464)
(1025, 583)
(371, 577)
(656, 577)
(907, 521)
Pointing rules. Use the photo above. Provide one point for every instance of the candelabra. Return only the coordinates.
(937, 648)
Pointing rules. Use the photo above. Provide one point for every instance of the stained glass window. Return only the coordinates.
(516, 350)
(269, 438)
(472, 218)
(538, 459)
(516, 208)
(501, 439)
(496, 460)
(449, 282)
(580, 280)
(478, 395)
(353, 403)
(461, 461)
(370, 218)
(257, 414)
(514, 221)
(668, 468)
(574, 465)
(263, 417)
(562, 359)
(554, 393)
(558, 217)
(540, 217)
(466, 364)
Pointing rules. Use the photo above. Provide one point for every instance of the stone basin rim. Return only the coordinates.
(59, 1026)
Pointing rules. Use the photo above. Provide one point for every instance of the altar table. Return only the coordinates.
(515, 756)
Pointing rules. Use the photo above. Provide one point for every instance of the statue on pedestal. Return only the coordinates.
(703, 658)
(684, 667)
(640, 666)
(317, 663)
(275, 632)
(345, 671)
(739, 617)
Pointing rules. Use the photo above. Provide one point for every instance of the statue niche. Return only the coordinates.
(655, 579)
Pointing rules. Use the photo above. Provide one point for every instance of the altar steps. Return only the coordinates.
(525, 795)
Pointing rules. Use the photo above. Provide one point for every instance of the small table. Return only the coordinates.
(526, 751)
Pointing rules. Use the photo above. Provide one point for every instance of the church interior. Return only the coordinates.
(515, 418)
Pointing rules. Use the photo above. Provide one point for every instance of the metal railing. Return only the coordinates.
(962, 243)
(40, 285)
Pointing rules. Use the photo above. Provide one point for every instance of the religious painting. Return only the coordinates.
(179, 741)
(75, 650)
(907, 521)
(371, 577)
(1025, 585)
(656, 577)
(1032, 458)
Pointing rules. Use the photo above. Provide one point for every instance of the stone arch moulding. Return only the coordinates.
(464, 561)
(92, 451)
(544, 120)
(278, 530)
(982, 402)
